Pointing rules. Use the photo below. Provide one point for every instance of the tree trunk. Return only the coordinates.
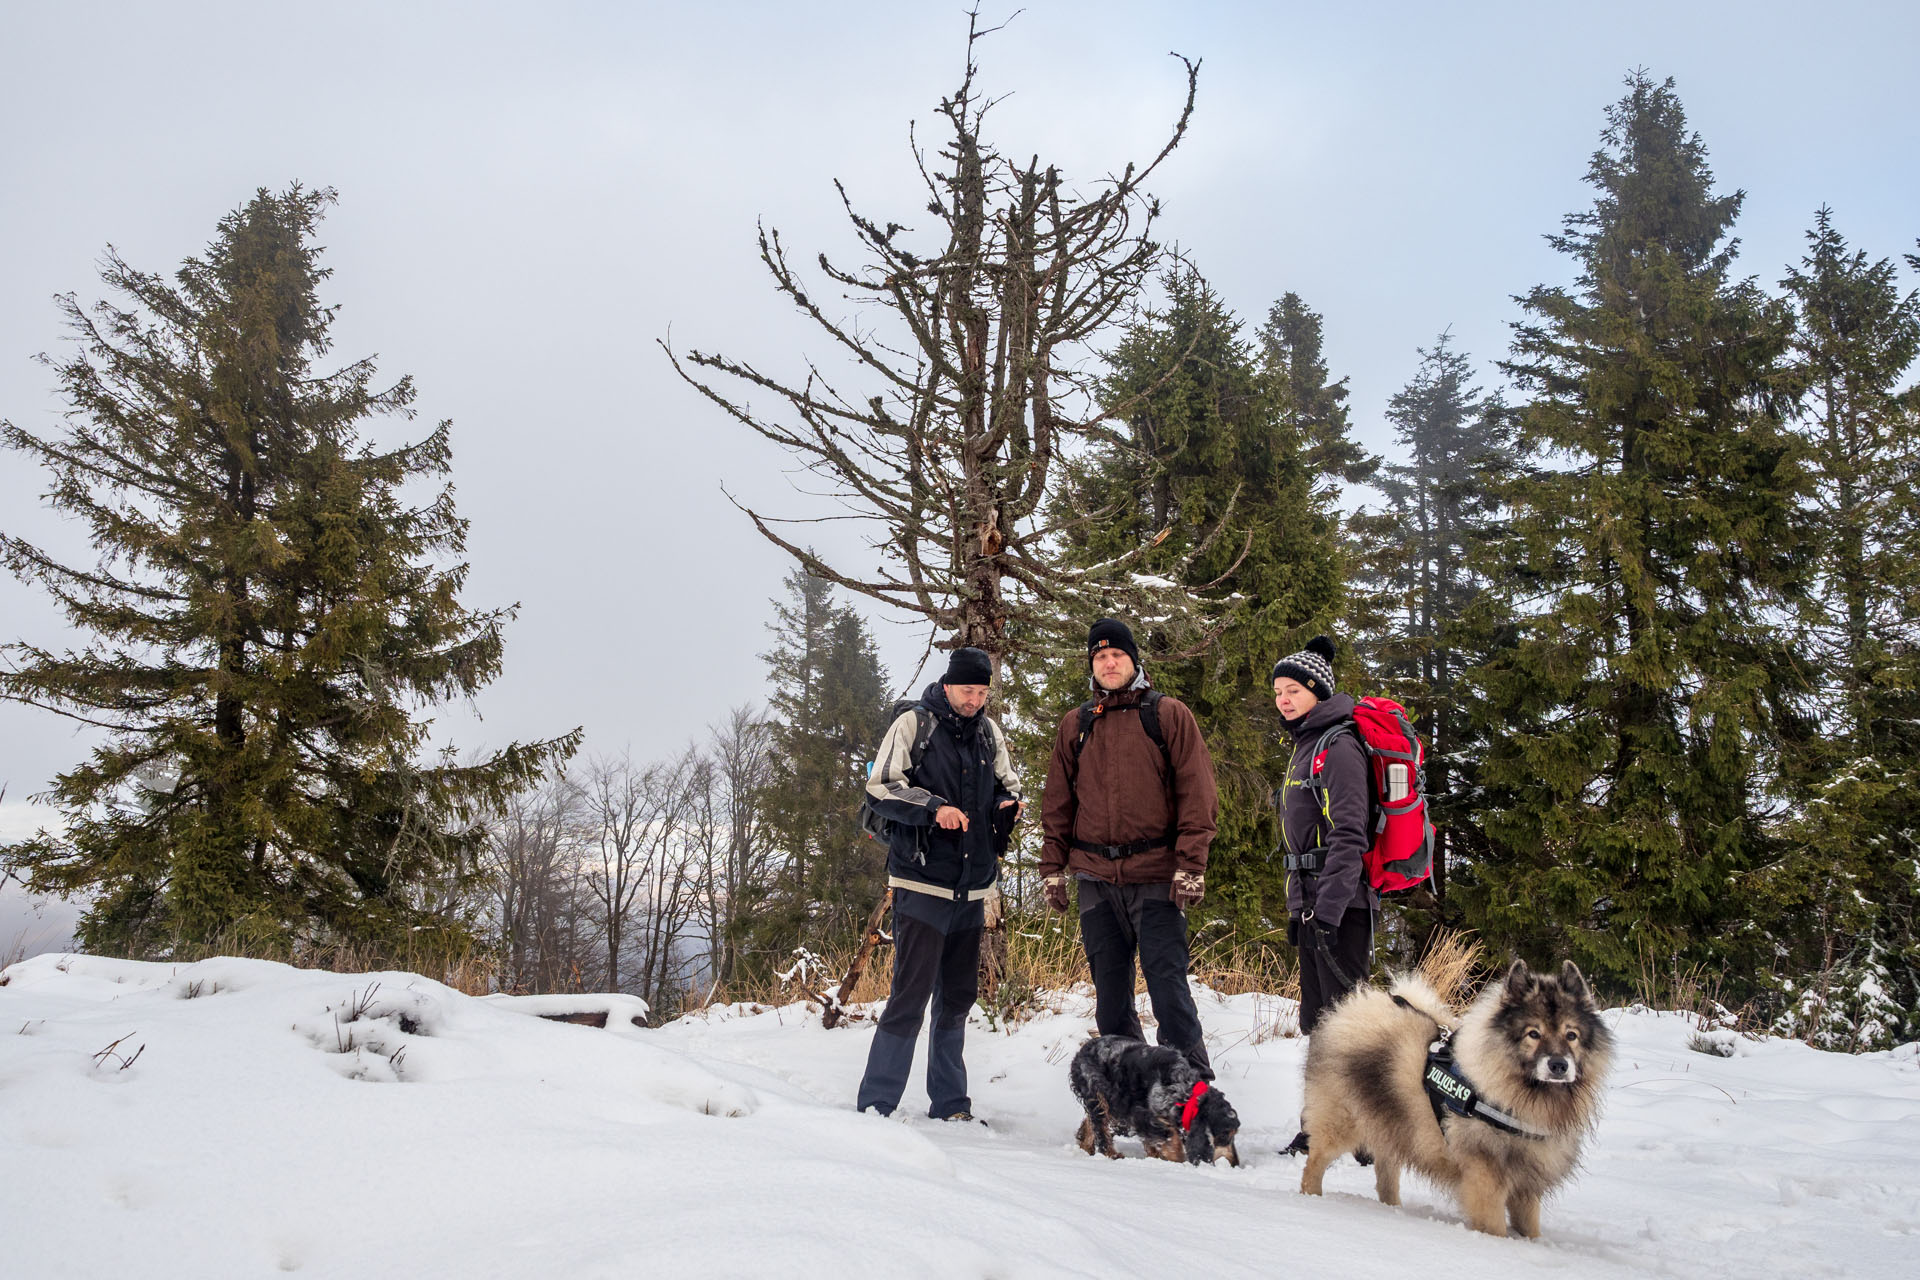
(833, 1003)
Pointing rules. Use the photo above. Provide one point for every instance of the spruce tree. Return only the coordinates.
(829, 702)
(1212, 457)
(1418, 567)
(1643, 689)
(270, 610)
(1316, 408)
(1845, 898)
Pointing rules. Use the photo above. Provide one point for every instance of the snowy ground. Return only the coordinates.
(261, 1130)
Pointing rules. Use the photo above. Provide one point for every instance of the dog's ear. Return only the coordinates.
(1213, 1132)
(1219, 1141)
(1231, 1151)
(1519, 979)
(1574, 983)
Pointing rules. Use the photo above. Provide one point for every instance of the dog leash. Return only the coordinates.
(1449, 1090)
(1339, 971)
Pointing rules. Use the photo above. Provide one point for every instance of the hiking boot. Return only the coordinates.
(1298, 1147)
(964, 1117)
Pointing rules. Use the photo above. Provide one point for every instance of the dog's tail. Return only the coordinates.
(1414, 991)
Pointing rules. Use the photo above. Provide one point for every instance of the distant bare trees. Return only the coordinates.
(643, 874)
(736, 842)
(630, 876)
(534, 900)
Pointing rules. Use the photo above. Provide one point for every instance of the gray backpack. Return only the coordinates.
(872, 824)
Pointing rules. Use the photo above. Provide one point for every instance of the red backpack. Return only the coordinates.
(1401, 855)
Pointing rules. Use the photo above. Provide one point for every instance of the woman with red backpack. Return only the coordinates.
(1325, 833)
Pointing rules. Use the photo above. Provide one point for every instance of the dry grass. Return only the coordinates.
(1044, 955)
(1695, 991)
(1454, 966)
(459, 963)
(1245, 966)
(14, 954)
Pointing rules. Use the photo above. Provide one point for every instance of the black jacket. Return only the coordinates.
(1338, 832)
(966, 765)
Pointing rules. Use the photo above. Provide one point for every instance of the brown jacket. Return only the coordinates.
(1122, 790)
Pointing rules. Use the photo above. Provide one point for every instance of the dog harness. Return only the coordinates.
(1449, 1090)
(1192, 1109)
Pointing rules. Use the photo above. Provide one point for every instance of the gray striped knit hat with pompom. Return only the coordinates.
(1312, 667)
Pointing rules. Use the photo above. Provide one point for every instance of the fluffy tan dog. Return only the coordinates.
(1530, 1057)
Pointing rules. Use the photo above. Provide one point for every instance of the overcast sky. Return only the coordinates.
(532, 195)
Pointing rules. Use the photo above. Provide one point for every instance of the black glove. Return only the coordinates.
(1317, 933)
(1005, 817)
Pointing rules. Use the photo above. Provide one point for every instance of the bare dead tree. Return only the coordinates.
(670, 880)
(972, 387)
(536, 903)
(619, 807)
(735, 845)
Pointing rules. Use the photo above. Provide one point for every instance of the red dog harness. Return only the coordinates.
(1192, 1109)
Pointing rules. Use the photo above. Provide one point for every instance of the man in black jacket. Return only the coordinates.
(951, 813)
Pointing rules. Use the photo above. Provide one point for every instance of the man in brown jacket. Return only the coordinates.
(1129, 810)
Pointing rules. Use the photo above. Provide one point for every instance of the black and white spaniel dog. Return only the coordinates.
(1154, 1093)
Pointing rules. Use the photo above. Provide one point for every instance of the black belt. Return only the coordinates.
(1119, 851)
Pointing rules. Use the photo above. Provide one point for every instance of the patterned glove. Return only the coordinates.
(1055, 886)
(1188, 888)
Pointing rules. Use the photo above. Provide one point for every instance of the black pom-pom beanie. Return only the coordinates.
(1312, 667)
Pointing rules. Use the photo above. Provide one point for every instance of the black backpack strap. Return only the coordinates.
(1324, 741)
(1087, 713)
(1150, 721)
(1376, 820)
(923, 723)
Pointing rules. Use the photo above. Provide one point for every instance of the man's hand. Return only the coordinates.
(1055, 887)
(950, 818)
(1188, 888)
(1021, 803)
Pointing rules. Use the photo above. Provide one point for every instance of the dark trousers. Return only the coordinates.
(1116, 922)
(936, 959)
(1320, 987)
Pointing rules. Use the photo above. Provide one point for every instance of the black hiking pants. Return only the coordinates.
(1118, 921)
(1321, 986)
(936, 959)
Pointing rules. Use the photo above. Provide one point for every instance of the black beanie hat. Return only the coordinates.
(968, 666)
(1112, 633)
(1312, 667)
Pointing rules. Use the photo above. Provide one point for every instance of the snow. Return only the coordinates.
(610, 1008)
(382, 1124)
